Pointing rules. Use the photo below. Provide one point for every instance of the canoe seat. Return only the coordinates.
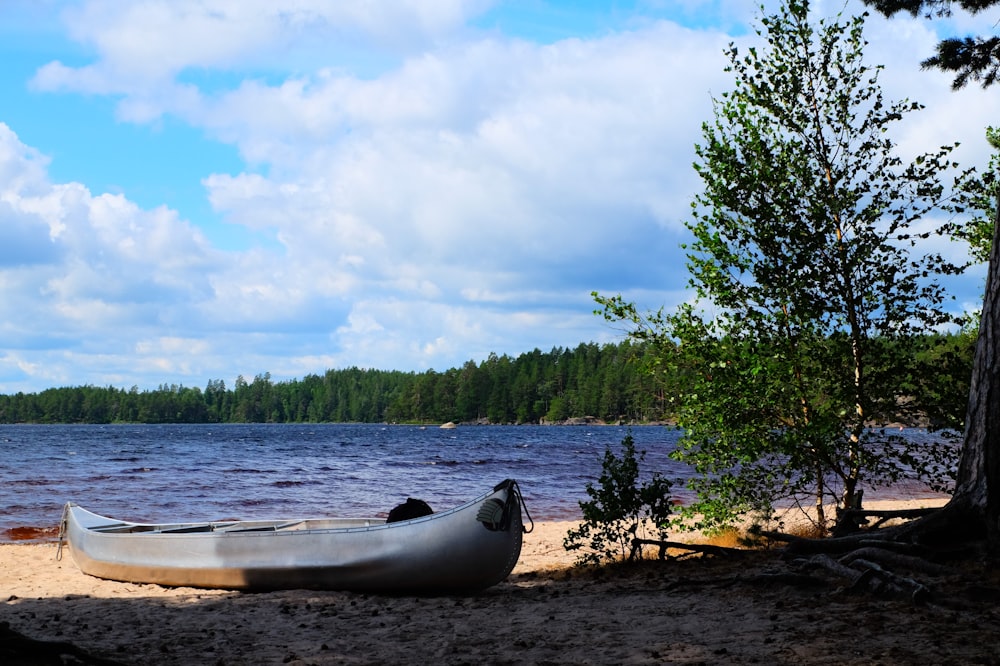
(263, 528)
(187, 529)
(113, 527)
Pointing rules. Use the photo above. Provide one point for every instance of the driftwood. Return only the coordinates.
(854, 576)
(890, 558)
(893, 582)
(894, 546)
(865, 573)
(705, 549)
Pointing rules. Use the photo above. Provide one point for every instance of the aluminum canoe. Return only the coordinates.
(470, 547)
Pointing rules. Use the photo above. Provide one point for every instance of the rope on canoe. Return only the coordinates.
(496, 514)
(516, 491)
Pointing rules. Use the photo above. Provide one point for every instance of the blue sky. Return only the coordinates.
(201, 190)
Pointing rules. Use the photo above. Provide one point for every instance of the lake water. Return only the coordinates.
(159, 473)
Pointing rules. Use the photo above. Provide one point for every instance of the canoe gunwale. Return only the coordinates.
(449, 549)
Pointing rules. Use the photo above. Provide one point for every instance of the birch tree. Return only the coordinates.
(813, 274)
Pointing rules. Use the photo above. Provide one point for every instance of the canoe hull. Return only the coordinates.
(449, 551)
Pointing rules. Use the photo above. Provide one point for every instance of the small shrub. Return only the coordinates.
(620, 509)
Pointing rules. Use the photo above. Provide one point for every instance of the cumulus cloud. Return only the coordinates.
(439, 160)
(446, 188)
(144, 46)
(77, 264)
(426, 192)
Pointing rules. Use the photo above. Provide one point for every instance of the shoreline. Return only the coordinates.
(542, 550)
(49, 534)
(25, 571)
(151, 474)
(696, 610)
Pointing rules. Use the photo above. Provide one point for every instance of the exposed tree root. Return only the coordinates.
(885, 561)
(889, 557)
(803, 545)
(870, 559)
(857, 517)
(957, 522)
(862, 573)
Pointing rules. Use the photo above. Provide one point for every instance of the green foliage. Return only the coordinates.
(603, 381)
(983, 197)
(938, 382)
(804, 247)
(620, 509)
(970, 58)
(813, 291)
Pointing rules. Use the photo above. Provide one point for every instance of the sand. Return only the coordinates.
(742, 610)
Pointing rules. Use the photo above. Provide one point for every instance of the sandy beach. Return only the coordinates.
(741, 610)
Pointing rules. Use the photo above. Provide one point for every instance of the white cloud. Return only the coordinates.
(462, 195)
(91, 265)
(143, 45)
(440, 161)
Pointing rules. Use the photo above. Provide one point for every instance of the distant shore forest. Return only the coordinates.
(627, 382)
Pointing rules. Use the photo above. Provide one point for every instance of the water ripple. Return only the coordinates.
(198, 472)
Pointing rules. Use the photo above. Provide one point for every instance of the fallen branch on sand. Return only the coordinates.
(704, 549)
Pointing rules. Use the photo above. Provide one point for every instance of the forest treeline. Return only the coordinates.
(604, 381)
(626, 382)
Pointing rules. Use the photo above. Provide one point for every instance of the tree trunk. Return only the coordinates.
(978, 483)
